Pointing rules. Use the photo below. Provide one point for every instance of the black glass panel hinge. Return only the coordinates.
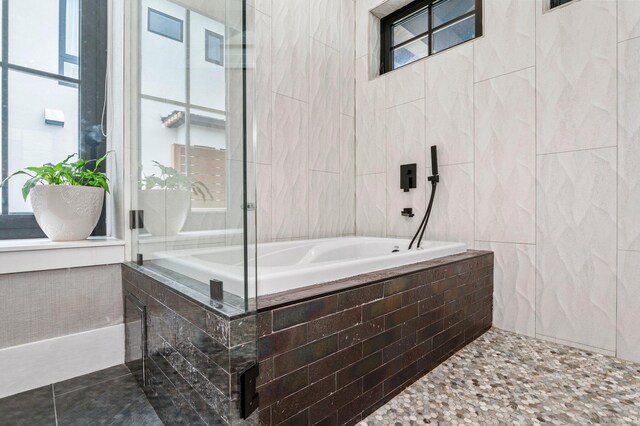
(136, 219)
(249, 398)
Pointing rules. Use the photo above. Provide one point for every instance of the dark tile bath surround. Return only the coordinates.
(334, 359)
(328, 354)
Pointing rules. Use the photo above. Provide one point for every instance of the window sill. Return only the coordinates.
(42, 254)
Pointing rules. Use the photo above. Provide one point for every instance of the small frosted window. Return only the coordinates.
(164, 25)
(214, 48)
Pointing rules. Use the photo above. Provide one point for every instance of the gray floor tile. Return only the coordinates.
(32, 408)
(114, 402)
(91, 379)
(504, 378)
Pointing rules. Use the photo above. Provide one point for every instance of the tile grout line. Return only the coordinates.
(53, 396)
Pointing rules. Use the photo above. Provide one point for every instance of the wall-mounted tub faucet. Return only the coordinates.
(408, 176)
(434, 179)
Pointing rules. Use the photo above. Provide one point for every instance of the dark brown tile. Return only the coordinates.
(404, 283)
(332, 363)
(360, 332)
(398, 348)
(381, 307)
(266, 372)
(417, 352)
(347, 413)
(360, 296)
(283, 386)
(300, 419)
(440, 287)
(400, 378)
(429, 331)
(401, 315)
(378, 342)
(265, 416)
(330, 420)
(358, 369)
(264, 323)
(305, 355)
(282, 341)
(302, 399)
(331, 324)
(335, 401)
(378, 375)
(304, 312)
(431, 303)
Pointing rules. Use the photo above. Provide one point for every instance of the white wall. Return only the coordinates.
(305, 118)
(538, 134)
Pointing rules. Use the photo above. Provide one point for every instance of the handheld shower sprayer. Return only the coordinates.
(434, 179)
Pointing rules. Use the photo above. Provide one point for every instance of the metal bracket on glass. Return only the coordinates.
(136, 219)
(249, 398)
(250, 207)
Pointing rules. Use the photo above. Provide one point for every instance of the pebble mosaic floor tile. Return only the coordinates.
(507, 379)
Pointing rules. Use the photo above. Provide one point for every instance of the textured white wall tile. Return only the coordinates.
(324, 119)
(628, 19)
(290, 46)
(326, 21)
(264, 6)
(629, 145)
(405, 145)
(514, 293)
(347, 58)
(263, 203)
(405, 84)
(324, 204)
(263, 88)
(363, 21)
(452, 212)
(449, 114)
(508, 42)
(628, 303)
(576, 76)
(576, 247)
(370, 142)
(371, 205)
(347, 175)
(505, 158)
(290, 174)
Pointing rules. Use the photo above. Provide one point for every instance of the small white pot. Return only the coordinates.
(165, 210)
(66, 213)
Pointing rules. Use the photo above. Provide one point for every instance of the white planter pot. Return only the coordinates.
(66, 213)
(165, 211)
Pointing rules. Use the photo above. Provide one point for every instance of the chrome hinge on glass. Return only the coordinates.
(250, 207)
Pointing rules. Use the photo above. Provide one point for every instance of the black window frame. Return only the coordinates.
(220, 37)
(386, 29)
(93, 41)
(555, 3)
(165, 15)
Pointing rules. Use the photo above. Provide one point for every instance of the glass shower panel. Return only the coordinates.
(193, 147)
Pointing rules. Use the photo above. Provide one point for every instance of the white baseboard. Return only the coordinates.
(41, 363)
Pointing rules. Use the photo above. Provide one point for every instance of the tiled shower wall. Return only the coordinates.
(537, 124)
(305, 118)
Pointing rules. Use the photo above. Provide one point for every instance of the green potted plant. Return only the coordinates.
(66, 197)
(166, 199)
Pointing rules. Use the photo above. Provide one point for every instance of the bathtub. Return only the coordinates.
(289, 265)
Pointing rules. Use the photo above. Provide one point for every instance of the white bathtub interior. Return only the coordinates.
(283, 266)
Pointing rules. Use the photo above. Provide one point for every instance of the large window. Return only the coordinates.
(425, 27)
(53, 65)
